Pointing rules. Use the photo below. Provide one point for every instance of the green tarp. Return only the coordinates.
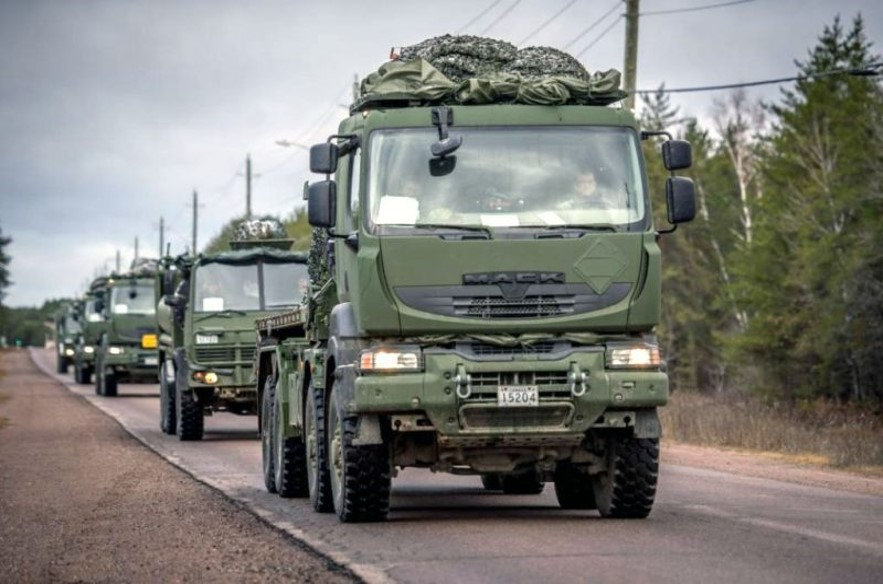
(417, 82)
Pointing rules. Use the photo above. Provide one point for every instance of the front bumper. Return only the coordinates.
(561, 416)
(134, 361)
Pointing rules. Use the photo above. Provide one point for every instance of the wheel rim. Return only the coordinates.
(312, 452)
(266, 442)
(335, 454)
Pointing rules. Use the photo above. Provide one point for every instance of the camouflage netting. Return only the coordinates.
(267, 228)
(143, 267)
(316, 264)
(477, 70)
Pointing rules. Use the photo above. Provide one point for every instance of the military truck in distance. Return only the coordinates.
(126, 349)
(92, 326)
(487, 310)
(67, 329)
(207, 338)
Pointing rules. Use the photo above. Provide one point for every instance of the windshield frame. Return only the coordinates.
(262, 296)
(645, 224)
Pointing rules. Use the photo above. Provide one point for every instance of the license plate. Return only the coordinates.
(206, 339)
(151, 360)
(509, 396)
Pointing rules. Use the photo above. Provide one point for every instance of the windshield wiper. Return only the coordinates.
(227, 313)
(469, 228)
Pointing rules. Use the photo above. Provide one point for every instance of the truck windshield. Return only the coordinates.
(71, 326)
(132, 299)
(92, 312)
(285, 284)
(222, 287)
(542, 177)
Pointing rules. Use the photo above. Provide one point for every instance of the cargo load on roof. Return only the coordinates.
(477, 70)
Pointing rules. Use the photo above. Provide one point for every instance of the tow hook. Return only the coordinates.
(464, 382)
(577, 380)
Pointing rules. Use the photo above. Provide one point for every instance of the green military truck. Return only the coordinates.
(206, 325)
(126, 349)
(67, 329)
(92, 323)
(486, 303)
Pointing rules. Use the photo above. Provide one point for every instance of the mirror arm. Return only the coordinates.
(649, 133)
(661, 232)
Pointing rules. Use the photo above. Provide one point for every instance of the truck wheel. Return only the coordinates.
(360, 475)
(492, 482)
(61, 365)
(291, 457)
(84, 375)
(188, 413)
(268, 434)
(318, 481)
(573, 488)
(528, 482)
(166, 400)
(98, 369)
(108, 383)
(627, 487)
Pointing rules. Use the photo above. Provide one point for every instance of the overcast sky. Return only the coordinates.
(112, 112)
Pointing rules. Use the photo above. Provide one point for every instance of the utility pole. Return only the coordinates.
(195, 207)
(118, 262)
(631, 52)
(161, 237)
(136, 250)
(248, 186)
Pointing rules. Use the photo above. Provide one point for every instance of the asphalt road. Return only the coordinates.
(707, 526)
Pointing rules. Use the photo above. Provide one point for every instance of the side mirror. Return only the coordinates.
(322, 204)
(677, 154)
(323, 158)
(681, 198)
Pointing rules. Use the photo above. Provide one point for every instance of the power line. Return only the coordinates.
(500, 17)
(599, 37)
(546, 23)
(869, 70)
(589, 28)
(479, 16)
(694, 8)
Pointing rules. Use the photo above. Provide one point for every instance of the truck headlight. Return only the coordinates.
(69, 352)
(115, 350)
(636, 356)
(88, 349)
(385, 359)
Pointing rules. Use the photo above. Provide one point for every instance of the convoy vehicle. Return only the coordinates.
(67, 328)
(92, 326)
(126, 349)
(485, 309)
(206, 322)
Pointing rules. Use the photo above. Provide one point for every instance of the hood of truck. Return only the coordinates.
(525, 285)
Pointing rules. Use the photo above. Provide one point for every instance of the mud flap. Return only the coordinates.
(368, 431)
(647, 424)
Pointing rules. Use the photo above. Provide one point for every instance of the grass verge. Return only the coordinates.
(819, 433)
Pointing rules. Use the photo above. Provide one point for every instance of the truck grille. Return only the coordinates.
(551, 384)
(227, 354)
(552, 417)
(527, 307)
(483, 350)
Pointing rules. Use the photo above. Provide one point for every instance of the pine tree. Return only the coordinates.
(5, 282)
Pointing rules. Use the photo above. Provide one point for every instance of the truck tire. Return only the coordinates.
(98, 368)
(166, 401)
(573, 488)
(82, 375)
(61, 365)
(268, 434)
(360, 475)
(529, 482)
(492, 481)
(290, 465)
(318, 480)
(108, 382)
(188, 413)
(626, 489)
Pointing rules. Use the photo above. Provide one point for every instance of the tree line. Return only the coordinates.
(777, 288)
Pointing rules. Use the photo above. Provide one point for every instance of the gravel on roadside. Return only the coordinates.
(81, 500)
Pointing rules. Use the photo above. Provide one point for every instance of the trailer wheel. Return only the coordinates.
(318, 481)
(268, 434)
(188, 413)
(290, 465)
(360, 475)
(166, 400)
(573, 488)
(528, 482)
(627, 488)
